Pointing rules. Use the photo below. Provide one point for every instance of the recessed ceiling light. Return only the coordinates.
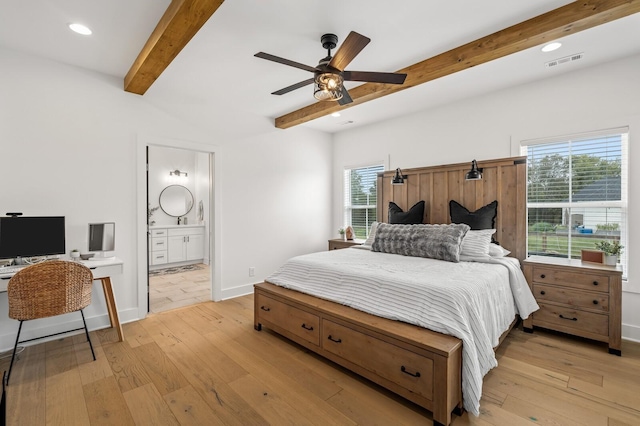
(335, 114)
(551, 47)
(80, 29)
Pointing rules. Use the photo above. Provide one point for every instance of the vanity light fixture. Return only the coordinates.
(475, 173)
(178, 173)
(399, 178)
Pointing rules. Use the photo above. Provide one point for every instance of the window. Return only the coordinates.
(360, 198)
(577, 193)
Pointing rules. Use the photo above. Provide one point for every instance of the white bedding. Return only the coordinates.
(474, 301)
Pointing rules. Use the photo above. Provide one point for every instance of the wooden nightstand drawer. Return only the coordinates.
(571, 278)
(575, 321)
(573, 298)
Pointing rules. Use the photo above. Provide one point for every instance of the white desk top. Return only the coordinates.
(98, 269)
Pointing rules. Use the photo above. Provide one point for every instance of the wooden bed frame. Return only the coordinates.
(421, 365)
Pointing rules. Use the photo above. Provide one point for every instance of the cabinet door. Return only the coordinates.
(195, 247)
(176, 248)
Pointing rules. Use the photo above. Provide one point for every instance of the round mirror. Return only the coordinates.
(176, 200)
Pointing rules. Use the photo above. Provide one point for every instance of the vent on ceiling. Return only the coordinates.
(565, 60)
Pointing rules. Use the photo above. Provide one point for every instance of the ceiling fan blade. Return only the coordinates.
(374, 77)
(293, 87)
(280, 60)
(346, 98)
(348, 50)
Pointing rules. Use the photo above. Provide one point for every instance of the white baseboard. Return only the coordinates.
(242, 290)
(37, 328)
(631, 332)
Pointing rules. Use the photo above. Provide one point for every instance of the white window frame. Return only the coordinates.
(624, 174)
(346, 185)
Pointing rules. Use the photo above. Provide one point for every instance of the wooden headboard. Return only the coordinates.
(503, 180)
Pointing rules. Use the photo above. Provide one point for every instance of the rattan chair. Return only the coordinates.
(48, 289)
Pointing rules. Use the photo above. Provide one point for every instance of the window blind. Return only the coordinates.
(360, 198)
(577, 193)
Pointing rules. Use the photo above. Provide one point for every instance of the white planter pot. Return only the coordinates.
(610, 259)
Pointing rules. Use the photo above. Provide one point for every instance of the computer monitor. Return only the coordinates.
(31, 236)
(102, 239)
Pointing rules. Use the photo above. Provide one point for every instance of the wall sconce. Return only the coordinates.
(177, 173)
(475, 173)
(399, 178)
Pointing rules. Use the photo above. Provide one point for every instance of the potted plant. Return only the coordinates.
(75, 254)
(611, 251)
(341, 232)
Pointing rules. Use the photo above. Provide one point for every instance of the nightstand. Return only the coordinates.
(339, 243)
(583, 299)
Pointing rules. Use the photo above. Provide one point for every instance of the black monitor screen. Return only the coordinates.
(31, 236)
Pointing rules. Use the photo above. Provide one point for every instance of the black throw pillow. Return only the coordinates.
(411, 217)
(483, 218)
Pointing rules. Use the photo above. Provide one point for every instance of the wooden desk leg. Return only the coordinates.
(111, 306)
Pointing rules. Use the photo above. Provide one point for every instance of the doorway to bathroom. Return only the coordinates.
(178, 195)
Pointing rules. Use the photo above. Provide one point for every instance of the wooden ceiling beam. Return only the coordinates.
(180, 22)
(569, 19)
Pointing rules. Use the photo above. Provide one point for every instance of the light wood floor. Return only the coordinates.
(206, 365)
(178, 290)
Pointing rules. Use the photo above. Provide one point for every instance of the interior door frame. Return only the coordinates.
(214, 237)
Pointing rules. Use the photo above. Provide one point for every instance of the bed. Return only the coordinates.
(375, 313)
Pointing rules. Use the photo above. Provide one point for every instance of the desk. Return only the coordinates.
(102, 271)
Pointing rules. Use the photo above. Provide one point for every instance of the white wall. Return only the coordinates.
(70, 143)
(485, 127)
(276, 197)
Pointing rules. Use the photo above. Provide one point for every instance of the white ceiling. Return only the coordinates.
(217, 84)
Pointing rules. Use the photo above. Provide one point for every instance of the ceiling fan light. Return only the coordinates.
(328, 86)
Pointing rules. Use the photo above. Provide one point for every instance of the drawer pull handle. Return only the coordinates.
(264, 308)
(567, 318)
(595, 302)
(543, 292)
(542, 276)
(310, 328)
(404, 370)
(334, 340)
(595, 283)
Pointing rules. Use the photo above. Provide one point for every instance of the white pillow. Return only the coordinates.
(372, 234)
(497, 251)
(476, 243)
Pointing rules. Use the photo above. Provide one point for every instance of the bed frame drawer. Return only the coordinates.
(293, 320)
(569, 297)
(403, 367)
(373, 347)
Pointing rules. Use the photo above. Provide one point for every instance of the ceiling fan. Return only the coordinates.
(330, 73)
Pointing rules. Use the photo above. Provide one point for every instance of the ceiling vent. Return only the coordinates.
(565, 60)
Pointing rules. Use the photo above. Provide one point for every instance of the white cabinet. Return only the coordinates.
(158, 247)
(176, 244)
(195, 246)
(185, 244)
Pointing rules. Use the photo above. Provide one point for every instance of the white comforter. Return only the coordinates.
(474, 301)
